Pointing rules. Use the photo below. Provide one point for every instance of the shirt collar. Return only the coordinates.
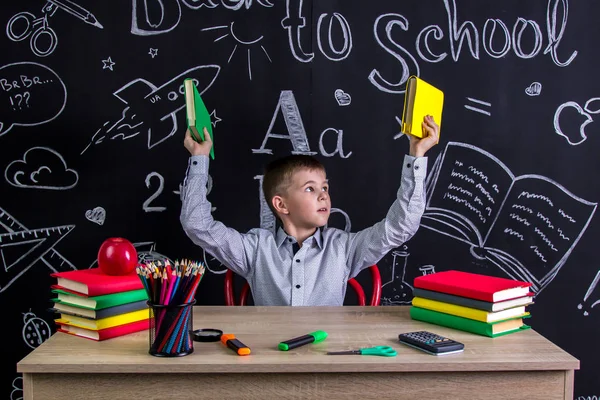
(282, 236)
(318, 237)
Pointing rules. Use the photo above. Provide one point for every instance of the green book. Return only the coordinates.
(197, 115)
(100, 302)
(493, 329)
(70, 309)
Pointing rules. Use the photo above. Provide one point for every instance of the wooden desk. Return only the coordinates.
(523, 365)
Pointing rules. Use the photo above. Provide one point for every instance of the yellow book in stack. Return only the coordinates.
(470, 313)
(420, 99)
(103, 323)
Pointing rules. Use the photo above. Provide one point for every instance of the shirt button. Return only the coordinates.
(297, 286)
(297, 260)
(290, 240)
(408, 165)
(195, 162)
(416, 167)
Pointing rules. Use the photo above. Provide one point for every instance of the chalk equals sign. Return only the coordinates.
(477, 109)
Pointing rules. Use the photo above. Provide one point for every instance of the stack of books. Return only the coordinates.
(485, 305)
(98, 306)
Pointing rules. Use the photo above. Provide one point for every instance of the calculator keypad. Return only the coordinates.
(430, 342)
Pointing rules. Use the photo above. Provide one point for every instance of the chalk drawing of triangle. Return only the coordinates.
(28, 251)
(12, 253)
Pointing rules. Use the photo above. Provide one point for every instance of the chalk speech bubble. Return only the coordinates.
(30, 94)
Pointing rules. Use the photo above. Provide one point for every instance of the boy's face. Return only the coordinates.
(307, 199)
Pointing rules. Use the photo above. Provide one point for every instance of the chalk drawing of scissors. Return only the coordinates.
(43, 39)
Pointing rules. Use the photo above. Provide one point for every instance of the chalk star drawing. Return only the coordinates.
(214, 119)
(21, 248)
(108, 63)
(153, 52)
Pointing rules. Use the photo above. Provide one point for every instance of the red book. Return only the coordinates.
(103, 334)
(473, 286)
(94, 282)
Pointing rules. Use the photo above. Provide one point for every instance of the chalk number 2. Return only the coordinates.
(161, 185)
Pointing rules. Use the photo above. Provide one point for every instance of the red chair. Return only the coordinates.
(360, 293)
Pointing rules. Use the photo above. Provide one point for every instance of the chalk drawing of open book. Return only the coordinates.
(526, 225)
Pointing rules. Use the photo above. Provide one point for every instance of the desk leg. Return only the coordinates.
(27, 387)
(569, 384)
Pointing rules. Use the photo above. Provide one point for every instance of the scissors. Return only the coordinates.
(25, 24)
(384, 351)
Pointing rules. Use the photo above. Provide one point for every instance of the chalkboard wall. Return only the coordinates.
(91, 139)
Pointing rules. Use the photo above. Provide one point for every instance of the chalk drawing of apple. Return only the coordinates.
(572, 137)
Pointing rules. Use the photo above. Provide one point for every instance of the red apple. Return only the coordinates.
(117, 256)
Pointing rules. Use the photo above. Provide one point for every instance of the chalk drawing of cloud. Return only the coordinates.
(41, 168)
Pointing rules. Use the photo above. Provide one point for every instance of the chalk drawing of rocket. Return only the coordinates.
(151, 109)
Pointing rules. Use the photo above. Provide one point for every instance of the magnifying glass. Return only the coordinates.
(207, 335)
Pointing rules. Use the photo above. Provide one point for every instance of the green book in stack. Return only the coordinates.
(493, 329)
(66, 308)
(100, 302)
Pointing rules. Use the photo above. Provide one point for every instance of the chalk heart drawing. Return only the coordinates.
(41, 168)
(96, 215)
(31, 93)
(342, 98)
(534, 89)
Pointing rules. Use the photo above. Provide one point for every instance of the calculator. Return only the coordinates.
(431, 343)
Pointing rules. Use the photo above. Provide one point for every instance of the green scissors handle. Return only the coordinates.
(384, 351)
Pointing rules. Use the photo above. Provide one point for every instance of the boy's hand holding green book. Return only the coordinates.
(197, 115)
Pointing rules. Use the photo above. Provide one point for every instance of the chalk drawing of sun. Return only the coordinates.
(240, 43)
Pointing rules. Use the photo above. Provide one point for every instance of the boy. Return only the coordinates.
(303, 263)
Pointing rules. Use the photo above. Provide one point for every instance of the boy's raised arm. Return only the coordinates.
(368, 246)
(230, 247)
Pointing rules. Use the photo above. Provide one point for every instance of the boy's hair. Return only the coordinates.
(278, 175)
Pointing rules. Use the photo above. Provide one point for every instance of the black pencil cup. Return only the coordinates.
(170, 329)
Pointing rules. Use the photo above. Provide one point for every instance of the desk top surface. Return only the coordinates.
(262, 328)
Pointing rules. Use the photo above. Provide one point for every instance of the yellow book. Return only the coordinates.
(420, 99)
(109, 322)
(470, 313)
